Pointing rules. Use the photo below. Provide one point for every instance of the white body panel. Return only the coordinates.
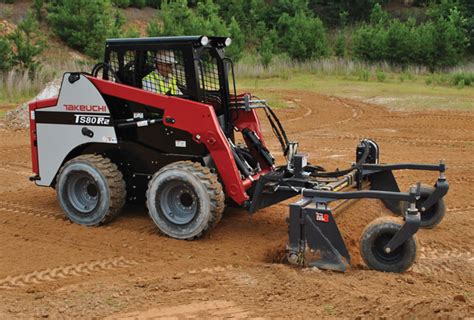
(57, 140)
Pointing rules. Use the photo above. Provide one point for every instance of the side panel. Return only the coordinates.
(81, 116)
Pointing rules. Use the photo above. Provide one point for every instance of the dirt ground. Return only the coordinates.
(52, 268)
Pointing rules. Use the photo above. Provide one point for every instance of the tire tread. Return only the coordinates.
(213, 186)
(114, 179)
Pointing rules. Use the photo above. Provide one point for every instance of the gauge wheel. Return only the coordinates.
(433, 216)
(376, 236)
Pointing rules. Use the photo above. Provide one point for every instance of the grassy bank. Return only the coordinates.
(408, 88)
(414, 94)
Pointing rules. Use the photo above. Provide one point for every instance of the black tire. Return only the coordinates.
(90, 189)
(375, 236)
(434, 215)
(185, 200)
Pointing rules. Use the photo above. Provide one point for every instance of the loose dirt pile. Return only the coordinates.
(52, 268)
(19, 117)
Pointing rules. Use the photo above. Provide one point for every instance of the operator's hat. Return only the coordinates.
(165, 56)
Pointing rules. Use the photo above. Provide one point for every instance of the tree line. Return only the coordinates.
(301, 29)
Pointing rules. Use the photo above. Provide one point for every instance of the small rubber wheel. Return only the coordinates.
(90, 189)
(185, 200)
(434, 215)
(374, 238)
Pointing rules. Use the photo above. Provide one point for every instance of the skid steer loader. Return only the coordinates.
(159, 121)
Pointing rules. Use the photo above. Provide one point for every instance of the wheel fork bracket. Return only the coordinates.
(314, 238)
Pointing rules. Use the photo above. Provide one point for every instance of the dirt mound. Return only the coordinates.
(19, 117)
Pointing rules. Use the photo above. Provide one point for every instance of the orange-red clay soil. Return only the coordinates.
(52, 268)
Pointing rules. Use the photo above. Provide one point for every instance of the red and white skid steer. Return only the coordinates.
(158, 122)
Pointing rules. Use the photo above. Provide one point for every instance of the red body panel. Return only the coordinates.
(196, 118)
(34, 147)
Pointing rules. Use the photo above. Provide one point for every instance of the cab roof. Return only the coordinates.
(178, 40)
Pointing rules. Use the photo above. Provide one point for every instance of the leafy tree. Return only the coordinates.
(302, 37)
(278, 8)
(83, 24)
(235, 50)
(37, 8)
(138, 3)
(266, 50)
(340, 46)
(437, 43)
(6, 59)
(357, 10)
(121, 3)
(153, 3)
(28, 44)
(176, 18)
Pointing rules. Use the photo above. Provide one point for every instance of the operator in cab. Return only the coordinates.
(162, 80)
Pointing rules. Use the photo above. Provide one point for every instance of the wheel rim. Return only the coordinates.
(82, 192)
(393, 257)
(178, 202)
(427, 214)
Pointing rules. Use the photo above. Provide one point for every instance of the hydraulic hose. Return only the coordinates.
(339, 173)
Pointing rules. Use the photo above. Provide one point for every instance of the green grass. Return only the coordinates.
(392, 92)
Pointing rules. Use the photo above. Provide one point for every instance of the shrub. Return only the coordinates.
(38, 7)
(6, 58)
(138, 3)
(369, 43)
(436, 43)
(153, 3)
(381, 76)
(235, 50)
(340, 46)
(364, 75)
(266, 52)
(176, 18)
(83, 24)
(131, 32)
(462, 79)
(28, 44)
(121, 3)
(302, 37)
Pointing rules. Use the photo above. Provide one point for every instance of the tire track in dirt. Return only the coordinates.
(12, 167)
(62, 272)
(13, 207)
(399, 140)
(434, 261)
(439, 117)
(309, 111)
(464, 208)
(214, 309)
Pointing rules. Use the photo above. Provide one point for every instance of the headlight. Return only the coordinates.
(204, 41)
(227, 42)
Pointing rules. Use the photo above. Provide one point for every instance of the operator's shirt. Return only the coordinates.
(155, 82)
